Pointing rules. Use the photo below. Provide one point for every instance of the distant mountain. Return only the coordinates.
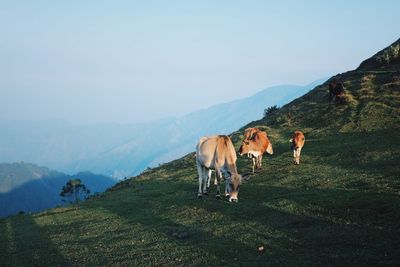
(123, 150)
(173, 138)
(27, 187)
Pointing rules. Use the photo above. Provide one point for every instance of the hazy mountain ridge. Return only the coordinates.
(28, 187)
(15, 174)
(173, 138)
(123, 150)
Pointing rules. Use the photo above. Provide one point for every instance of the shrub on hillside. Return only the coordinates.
(270, 110)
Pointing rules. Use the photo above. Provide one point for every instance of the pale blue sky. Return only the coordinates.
(131, 61)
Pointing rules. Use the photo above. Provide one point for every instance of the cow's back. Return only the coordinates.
(205, 151)
(332, 85)
(225, 150)
(216, 152)
(336, 87)
(262, 141)
(298, 139)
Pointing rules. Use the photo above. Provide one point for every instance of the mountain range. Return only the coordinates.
(121, 150)
(25, 187)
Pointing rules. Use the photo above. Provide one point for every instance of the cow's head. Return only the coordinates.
(234, 184)
(270, 150)
(244, 148)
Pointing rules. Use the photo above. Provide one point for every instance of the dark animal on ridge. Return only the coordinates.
(336, 91)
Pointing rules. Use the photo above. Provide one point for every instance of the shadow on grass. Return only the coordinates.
(297, 226)
(332, 226)
(24, 243)
(206, 242)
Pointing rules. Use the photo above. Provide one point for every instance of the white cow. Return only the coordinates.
(217, 152)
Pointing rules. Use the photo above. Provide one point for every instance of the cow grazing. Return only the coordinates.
(217, 152)
(297, 141)
(336, 91)
(256, 147)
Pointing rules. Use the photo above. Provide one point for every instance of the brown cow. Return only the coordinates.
(336, 90)
(297, 141)
(256, 147)
(217, 152)
(248, 134)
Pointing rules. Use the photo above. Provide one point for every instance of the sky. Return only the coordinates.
(137, 61)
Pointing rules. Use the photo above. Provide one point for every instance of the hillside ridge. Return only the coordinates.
(388, 59)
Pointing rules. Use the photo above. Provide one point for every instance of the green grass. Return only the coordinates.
(339, 207)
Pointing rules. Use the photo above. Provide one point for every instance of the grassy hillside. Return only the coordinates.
(340, 206)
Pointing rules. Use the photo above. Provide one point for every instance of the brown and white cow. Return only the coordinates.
(256, 146)
(248, 134)
(217, 152)
(297, 141)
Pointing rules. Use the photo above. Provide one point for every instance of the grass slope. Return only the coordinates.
(340, 206)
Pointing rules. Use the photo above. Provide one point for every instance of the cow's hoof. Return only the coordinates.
(199, 195)
(227, 195)
(218, 196)
(205, 193)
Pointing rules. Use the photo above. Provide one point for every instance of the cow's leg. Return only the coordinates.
(298, 155)
(294, 155)
(200, 173)
(218, 176)
(259, 161)
(204, 182)
(227, 188)
(208, 179)
(254, 162)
